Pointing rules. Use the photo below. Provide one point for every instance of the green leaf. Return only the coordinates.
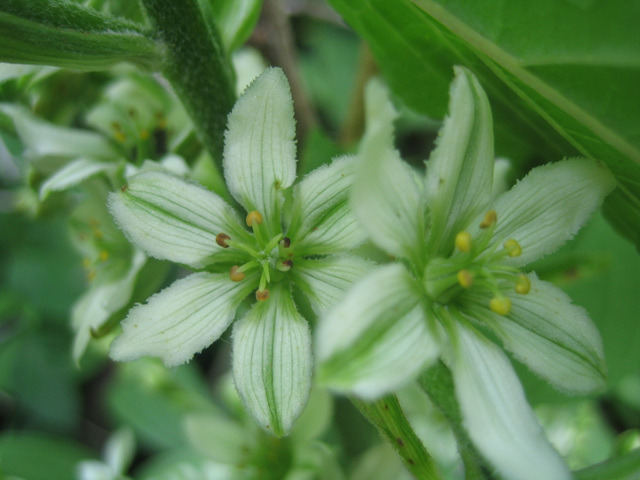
(545, 66)
(235, 19)
(36, 456)
(66, 34)
(625, 467)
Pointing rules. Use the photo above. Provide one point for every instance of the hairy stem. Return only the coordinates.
(196, 67)
(437, 383)
(387, 416)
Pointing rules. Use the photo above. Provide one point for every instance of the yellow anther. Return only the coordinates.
(463, 241)
(144, 134)
(120, 137)
(235, 275)
(512, 247)
(86, 263)
(254, 218)
(262, 295)
(489, 219)
(103, 256)
(523, 285)
(500, 305)
(465, 279)
(221, 239)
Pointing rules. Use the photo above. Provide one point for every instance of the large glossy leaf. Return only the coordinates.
(562, 76)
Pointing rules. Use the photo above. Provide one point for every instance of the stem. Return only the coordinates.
(197, 68)
(387, 416)
(437, 383)
(279, 48)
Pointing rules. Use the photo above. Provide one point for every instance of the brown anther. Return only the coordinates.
(489, 219)
(284, 265)
(221, 239)
(235, 275)
(254, 218)
(124, 188)
(262, 295)
(285, 242)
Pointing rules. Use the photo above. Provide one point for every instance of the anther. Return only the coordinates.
(463, 241)
(465, 279)
(489, 219)
(254, 218)
(103, 256)
(512, 247)
(221, 239)
(235, 275)
(523, 285)
(262, 295)
(500, 305)
(285, 242)
(284, 265)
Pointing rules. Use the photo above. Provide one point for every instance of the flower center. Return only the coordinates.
(473, 265)
(268, 255)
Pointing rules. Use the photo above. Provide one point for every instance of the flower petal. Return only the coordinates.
(181, 320)
(496, 413)
(378, 337)
(325, 281)
(170, 218)
(548, 206)
(556, 339)
(272, 361)
(72, 174)
(106, 295)
(460, 169)
(260, 150)
(386, 197)
(322, 221)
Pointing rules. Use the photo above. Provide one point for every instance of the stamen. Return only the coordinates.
(284, 265)
(523, 285)
(235, 275)
(489, 219)
(262, 295)
(221, 239)
(272, 243)
(512, 247)
(463, 241)
(104, 255)
(254, 218)
(285, 242)
(465, 279)
(500, 305)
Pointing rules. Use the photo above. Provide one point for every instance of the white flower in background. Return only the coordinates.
(295, 237)
(458, 274)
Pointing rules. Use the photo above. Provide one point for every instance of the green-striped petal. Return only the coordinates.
(260, 150)
(181, 320)
(548, 206)
(376, 339)
(272, 361)
(172, 219)
(544, 330)
(386, 196)
(322, 220)
(496, 413)
(325, 281)
(460, 169)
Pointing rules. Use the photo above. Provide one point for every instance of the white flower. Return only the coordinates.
(457, 276)
(170, 218)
